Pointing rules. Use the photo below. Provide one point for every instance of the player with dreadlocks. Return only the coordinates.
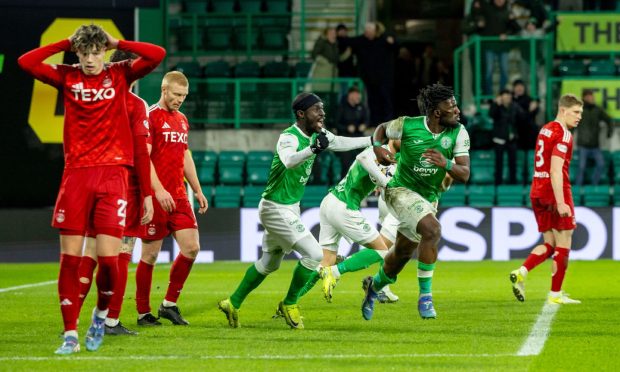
(428, 145)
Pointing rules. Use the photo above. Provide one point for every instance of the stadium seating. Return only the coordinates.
(481, 195)
(223, 6)
(617, 195)
(302, 69)
(207, 190)
(258, 166)
(252, 196)
(602, 68)
(571, 67)
(615, 159)
(509, 195)
(577, 194)
(227, 196)
(313, 196)
(250, 6)
(455, 197)
(596, 196)
(482, 167)
(230, 166)
(190, 69)
(277, 6)
(242, 38)
(195, 6)
(205, 162)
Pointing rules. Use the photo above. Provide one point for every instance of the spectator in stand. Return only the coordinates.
(404, 86)
(498, 21)
(326, 57)
(588, 137)
(506, 116)
(528, 129)
(352, 122)
(375, 57)
(346, 65)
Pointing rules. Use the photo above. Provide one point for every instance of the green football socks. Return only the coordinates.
(250, 281)
(381, 279)
(425, 277)
(301, 275)
(359, 261)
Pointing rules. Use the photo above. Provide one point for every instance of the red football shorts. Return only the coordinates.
(547, 217)
(165, 223)
(92, 199)
(134, 207)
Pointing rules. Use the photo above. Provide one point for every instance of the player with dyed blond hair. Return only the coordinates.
(172, 161)
(552, 200)
(98, 147)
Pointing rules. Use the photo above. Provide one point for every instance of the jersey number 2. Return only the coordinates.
(122, 211)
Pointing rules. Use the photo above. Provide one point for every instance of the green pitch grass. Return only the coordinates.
(480, 326)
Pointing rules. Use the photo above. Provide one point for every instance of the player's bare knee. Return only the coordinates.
(191, 250)
(84, 280)
(431, 231)
(539, 250)
(149, 257)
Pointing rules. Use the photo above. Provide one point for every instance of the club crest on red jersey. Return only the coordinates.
(107, 82)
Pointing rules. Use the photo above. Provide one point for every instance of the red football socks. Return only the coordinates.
(534, 260)
(106, 280)
(144, 277)
(85, 272)
(560, 258)
(116, 302)
(178, 275)
(68, 290)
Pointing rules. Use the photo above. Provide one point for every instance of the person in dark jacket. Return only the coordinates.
(588, 137)
(506, 116)
(528, 129)
(352, 121)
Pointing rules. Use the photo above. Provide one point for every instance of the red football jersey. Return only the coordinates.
(553, 140)
(138, 111)
(169, 138)
(96, 126)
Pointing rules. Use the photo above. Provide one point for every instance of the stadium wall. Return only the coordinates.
(469, 234)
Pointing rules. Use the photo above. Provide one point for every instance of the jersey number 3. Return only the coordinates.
(539, 154)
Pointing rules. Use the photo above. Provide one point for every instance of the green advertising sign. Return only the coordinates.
(588, 33)
(606, 93)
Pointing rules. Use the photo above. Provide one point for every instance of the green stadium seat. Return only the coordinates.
(258, 166)
(275, 69)
(454, 197)
(227, 196)
(250, 99)
(570, 67)
(602, 68)
(184, 32)
(596, 196)
(577, 194)
(274, 37)
(195, 6)
(482, 167)
(219, 68)
(481, 195)
(205, 162)
(207, 190)
(217, 38)
(615, 160)
(189, 69)
(617, 195)
(242, 39)
(526, 191)
(250, 6)
(510, 195)
(223, 6)
(277, 6)
(252, 196)
(217, 97)
(302, 69)
(230, 166)
(313, 196)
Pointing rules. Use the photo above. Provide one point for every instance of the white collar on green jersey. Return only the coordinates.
(435, 135)
(300, 131)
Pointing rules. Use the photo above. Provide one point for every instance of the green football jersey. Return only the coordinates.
(286, 186)
(414, 171)
(355, 186)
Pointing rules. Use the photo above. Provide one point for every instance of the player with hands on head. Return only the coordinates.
(552, 200)
(98, 146)
(428, 145)
(279, 211)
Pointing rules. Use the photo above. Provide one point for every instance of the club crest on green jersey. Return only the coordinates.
(446, 142)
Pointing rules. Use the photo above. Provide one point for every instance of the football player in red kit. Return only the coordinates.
(552, 200)
(98, 146)
(172, 162)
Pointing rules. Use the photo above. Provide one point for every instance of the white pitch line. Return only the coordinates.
(535, 342)
(24, 286)
(250, 357)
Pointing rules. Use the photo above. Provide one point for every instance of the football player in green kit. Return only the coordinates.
(428, 145)
(279, 212)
